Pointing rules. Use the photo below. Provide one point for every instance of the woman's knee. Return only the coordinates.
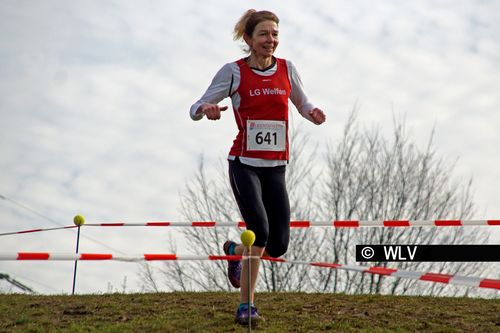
(261, 235)
(276, 250)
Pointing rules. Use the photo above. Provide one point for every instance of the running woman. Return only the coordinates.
(259, 86)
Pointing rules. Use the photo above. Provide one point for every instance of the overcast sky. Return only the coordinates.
(94, 99)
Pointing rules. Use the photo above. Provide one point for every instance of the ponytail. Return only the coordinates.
(240, 27)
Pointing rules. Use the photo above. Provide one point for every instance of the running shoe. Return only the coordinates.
(233, 267)
(242, 316)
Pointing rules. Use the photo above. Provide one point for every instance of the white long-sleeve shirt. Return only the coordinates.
(225, 84)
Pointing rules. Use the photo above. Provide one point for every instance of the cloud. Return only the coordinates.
(94, 101)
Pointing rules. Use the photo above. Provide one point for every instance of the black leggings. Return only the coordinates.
(263, 202)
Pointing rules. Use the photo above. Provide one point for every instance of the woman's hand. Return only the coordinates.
(317, 116)
(212, 111)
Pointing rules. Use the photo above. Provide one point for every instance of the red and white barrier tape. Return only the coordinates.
(293, 224)
(36, 230)
(308, 224)
(413, 275)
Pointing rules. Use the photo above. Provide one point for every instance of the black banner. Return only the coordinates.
(466, 253)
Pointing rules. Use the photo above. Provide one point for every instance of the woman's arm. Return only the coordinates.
(216, 92)
(300, 100)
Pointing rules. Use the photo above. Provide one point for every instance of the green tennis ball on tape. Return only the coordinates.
(247, 238)
(79, 220)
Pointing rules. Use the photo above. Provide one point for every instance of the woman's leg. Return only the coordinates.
(247, 189)
(277, 210)
(254, 271)
(276, 202)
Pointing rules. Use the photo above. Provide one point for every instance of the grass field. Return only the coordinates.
(214, 312)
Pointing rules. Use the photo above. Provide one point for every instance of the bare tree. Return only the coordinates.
(364, 176)
(210, 198)
(368, 177)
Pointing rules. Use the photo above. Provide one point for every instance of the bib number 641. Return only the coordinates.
(268, 135)
(262, 137)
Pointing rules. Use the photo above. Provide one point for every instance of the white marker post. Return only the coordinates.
(248, 238)
(78, 220)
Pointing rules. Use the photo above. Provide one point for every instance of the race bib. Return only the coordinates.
(269, 135)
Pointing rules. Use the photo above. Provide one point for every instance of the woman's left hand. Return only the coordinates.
(317, 116)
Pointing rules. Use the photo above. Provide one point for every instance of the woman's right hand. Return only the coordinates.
(212, 111)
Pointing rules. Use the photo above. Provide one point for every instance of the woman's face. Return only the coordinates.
(264, 39)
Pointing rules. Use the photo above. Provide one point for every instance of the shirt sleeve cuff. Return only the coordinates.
(193, 110)
(304, 111)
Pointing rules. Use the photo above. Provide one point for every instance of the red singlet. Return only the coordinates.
(262, 117)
